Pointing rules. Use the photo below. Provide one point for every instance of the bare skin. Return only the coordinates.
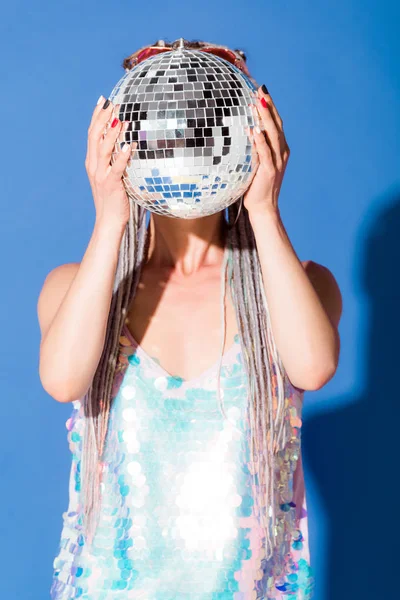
(175, 315)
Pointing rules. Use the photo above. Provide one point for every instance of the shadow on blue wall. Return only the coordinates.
(352, 450)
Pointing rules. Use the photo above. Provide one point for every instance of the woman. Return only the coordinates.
(186, 480)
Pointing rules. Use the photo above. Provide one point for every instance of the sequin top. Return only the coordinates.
(177, 519)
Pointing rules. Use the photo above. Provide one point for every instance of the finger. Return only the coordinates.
(284, 148)
(97, 109)
(259, 121)
(116, 128)
(95, 134)
(122, 159)
(114, 115)
(249, 134)
(263, 149)
(101, 114)
(272, 107)
(98, 127)
(272, 133)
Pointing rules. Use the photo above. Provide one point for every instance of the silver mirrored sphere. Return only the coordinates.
(188, 111)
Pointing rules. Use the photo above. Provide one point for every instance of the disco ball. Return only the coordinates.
(188, 110)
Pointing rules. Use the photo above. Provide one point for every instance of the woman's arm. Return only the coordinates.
(74, 303)
(305, 302)
(305, 305)
(73, 309)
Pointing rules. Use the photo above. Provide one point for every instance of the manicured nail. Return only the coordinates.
(264, 102)
(126, 147)
(106, 103)
(113, 124)
(99, 100)
(264, 89)
(257, 129)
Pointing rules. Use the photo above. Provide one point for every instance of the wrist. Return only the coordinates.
(110, 225)
(264, 212)
(109, 230)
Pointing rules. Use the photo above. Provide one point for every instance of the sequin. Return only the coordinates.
(178, 516)
(128, 391)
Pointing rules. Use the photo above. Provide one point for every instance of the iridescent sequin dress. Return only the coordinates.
(177, 520)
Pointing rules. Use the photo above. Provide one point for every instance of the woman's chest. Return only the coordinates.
(180, 325)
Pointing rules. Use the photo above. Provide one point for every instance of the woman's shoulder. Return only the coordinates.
(54, 288)
(327, 288)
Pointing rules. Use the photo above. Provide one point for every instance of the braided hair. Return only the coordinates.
(269, 423)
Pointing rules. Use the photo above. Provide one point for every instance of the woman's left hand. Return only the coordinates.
(273, 153)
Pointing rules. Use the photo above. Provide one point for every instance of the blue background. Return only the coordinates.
(333, 73)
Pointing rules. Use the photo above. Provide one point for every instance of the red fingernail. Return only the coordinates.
(264, 103)
(113, 124)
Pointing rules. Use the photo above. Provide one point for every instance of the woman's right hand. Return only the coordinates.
(110, 197)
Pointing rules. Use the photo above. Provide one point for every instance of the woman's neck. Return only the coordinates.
(186, 245)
